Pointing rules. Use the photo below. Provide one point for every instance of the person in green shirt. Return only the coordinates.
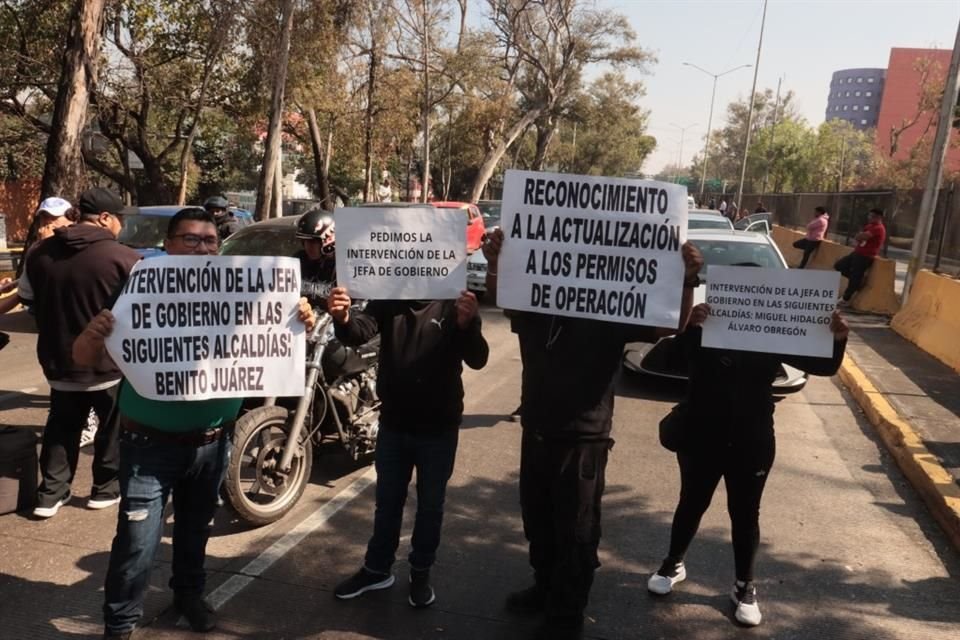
(179, 447)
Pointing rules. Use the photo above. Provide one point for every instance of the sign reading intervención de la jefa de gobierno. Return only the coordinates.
(402, 253)
(783, 311)
(202, 327)
(593, 247)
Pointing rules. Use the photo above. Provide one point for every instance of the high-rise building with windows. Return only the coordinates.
(855, 96)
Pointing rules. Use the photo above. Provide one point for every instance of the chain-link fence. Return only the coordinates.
(848, 213)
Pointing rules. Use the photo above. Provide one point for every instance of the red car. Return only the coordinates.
(475, 226)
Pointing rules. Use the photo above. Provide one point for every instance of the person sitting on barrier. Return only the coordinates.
(423, 347)
(855, 264)
(816, 230)
(725, 429)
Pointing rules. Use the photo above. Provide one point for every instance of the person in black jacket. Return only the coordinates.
(570, 367)
(728, 426)
(422, 347)
(318, 265)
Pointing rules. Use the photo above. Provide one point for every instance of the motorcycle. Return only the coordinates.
(273, 443)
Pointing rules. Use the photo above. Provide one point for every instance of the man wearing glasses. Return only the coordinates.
(69, 278)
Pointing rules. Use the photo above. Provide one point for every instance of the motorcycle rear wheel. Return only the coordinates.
(258, 491)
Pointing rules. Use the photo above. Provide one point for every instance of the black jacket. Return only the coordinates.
(730, 396)
(421, 354)
(317, 278)
(570, 368)
(227, 225)
(75, 275)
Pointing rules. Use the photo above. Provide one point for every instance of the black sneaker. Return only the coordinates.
(421, 593)
(198, 613)
(361, 582)
(744, 595)
(533, 599)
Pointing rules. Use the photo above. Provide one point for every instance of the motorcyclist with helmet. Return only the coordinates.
(318, 265)
(227, 223)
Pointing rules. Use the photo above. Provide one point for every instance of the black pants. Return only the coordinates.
(808, 247)
(744, 469)
(60, 448)
(561, 485)
(853, 267)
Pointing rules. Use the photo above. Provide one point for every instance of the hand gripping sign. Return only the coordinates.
(593, 247)
(201, 327)
(402, 253)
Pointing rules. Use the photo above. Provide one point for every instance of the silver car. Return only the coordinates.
(719, 247)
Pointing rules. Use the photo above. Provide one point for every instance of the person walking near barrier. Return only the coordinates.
(855, 264)
(178, 447)
(727, 426)
(422, 350)
(816, 230)
(69, 278)
(570, 366)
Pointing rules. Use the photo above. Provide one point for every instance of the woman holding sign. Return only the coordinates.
(727, 432)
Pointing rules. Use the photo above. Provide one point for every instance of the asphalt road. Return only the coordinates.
(847, 552)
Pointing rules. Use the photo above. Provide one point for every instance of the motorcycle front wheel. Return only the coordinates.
(257, 489)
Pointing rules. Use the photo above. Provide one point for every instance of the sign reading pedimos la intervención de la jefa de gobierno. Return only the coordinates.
(593, 247)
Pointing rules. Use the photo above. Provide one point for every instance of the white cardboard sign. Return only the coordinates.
(593, 247)
(784, 311)
(202, 327)
(402, 253)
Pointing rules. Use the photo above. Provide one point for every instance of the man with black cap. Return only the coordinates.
(69, 279)
(227, 223)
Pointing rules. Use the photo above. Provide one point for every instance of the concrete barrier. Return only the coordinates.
(931, 317)
(876, 296)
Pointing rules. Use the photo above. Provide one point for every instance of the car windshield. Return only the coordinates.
(725, 253)
(143, 232)
(698, 223)
(490, 209)
(262, 241)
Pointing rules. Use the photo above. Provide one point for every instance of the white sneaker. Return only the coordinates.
(669, 574)
(49, 512)
(102, 503)
(745, 597)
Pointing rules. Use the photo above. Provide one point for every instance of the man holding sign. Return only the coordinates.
(726, 426)
(166, 446)
(589, 263)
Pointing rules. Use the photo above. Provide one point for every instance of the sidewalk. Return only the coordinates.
(912, 399)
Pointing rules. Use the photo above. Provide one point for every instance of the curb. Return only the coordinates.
(935, 484)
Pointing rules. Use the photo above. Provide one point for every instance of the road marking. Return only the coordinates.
(253, 569)
(15, 394)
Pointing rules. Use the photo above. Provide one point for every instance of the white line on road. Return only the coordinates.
(235, 584)
(14, 394)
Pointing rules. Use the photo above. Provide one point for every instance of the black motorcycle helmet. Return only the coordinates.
(216, 202)
(317, 224)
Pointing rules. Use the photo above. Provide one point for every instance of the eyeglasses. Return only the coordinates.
(192, 241)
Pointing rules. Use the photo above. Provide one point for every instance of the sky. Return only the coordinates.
(804, 42)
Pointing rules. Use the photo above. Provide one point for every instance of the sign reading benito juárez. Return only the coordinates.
(593, 247)
(201, 327)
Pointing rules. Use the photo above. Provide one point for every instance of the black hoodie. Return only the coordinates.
(74, 275)
(421, 354)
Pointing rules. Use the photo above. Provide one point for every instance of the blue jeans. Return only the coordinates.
(149, 471)
(398, 454)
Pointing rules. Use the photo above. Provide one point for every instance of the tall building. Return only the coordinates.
(855, 96)
(902, 121)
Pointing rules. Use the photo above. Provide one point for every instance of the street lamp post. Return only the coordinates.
(713, 95)
(683, 130)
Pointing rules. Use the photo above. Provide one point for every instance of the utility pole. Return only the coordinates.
(753, 92)
(683, 130)
(935, 175)
(773, 139)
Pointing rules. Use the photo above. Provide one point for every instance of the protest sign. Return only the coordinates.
(402, 253)
(785, 311)
(201, 327)
(593, 247)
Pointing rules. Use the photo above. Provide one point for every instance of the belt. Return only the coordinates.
(190, 438)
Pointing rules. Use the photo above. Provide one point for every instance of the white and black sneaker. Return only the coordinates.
(421, 593)
(669, 574)
(744, 595)
(51, 510)
(361, 582)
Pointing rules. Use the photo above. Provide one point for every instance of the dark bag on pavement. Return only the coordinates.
(675, 429)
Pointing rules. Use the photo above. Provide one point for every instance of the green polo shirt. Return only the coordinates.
(177, 415)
